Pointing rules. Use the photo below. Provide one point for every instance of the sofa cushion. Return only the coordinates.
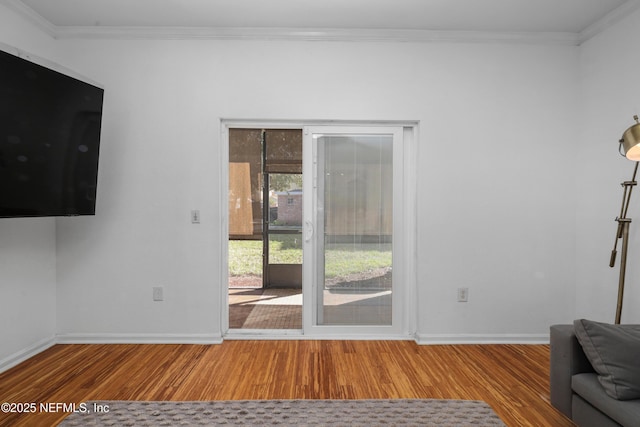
(587, 386)
(614, 353)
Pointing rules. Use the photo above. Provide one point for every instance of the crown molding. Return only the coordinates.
(320, 34)
(313, 34)
(32, 16)
(290, 34)
(608, 20)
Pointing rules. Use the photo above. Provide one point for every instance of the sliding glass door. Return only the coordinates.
(352, 217)
(332, 214)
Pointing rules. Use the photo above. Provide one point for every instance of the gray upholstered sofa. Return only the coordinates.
(590, 398)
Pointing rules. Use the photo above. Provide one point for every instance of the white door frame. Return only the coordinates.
(405, 226)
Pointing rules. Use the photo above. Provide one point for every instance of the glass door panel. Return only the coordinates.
(357, 196)
(350, 230)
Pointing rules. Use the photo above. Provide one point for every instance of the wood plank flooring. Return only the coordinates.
(513, 379)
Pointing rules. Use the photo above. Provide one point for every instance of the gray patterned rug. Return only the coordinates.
(398, 412)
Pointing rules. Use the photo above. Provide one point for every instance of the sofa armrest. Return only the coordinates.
(567, 359)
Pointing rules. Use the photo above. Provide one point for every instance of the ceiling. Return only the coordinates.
(568, 17)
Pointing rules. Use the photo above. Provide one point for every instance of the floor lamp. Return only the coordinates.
(630, 148)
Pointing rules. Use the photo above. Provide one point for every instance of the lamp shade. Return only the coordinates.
(631, 142)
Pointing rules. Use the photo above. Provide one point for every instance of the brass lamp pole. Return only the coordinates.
(623, 233)
(630, 142)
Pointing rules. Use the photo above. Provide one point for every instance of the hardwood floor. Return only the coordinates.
(513, 379)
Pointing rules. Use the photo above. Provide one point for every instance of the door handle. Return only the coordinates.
(308, 231)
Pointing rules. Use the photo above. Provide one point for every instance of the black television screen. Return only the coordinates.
(49, 141)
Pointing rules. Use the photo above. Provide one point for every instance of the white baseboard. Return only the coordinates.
(106, 338)
(24, 354)
(434, 339)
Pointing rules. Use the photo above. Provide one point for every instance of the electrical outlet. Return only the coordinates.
(157, 294)
(463, 294)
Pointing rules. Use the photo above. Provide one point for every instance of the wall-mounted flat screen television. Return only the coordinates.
(49, 141)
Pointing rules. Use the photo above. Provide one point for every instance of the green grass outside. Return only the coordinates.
(245, 256)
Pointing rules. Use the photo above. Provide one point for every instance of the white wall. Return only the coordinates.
(498, 179)
(27, 246)
(496, 207)
(495, 203)
(610, 97)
